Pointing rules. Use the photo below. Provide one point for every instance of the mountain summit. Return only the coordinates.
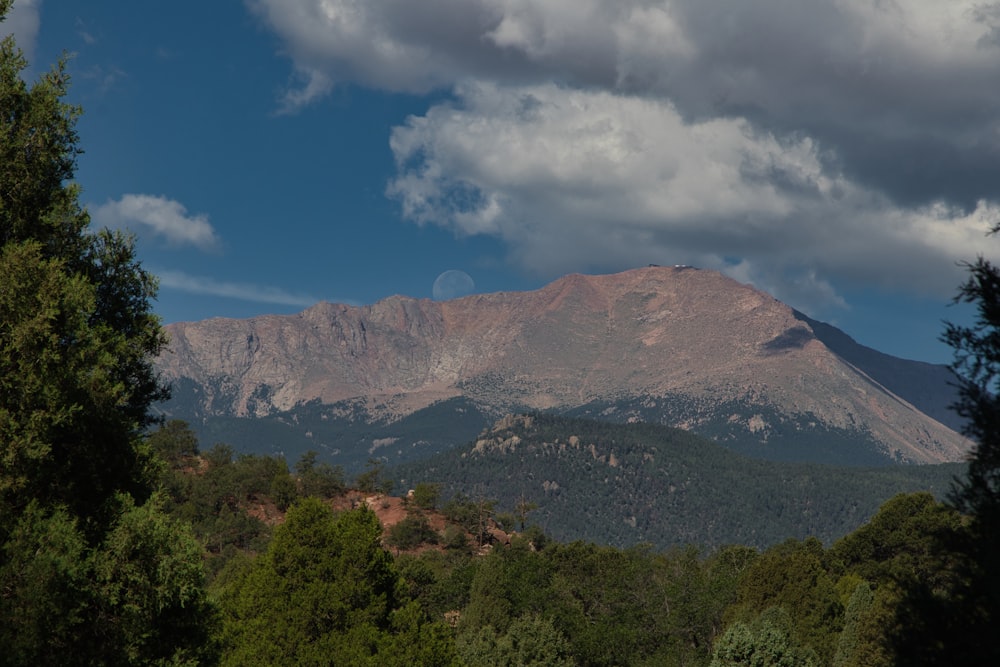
(683, 346)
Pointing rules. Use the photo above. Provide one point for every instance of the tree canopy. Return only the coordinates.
(326, 592)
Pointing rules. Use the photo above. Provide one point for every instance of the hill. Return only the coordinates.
(623, 484)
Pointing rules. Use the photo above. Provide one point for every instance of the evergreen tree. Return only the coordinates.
(950, 622)
(326, 592)
(91, 572)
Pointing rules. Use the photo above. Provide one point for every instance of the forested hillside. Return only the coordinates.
(442, 585)
(626, 484)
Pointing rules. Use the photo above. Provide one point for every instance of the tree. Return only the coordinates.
(977, 366)
(319, 479)
(426, 495)
(522, 509)
(174, 442)
(765, 643)
(78, 335)
(411, 532)
(325, 592)
(951, 622)
(372, 479)
(531, 641)
(77, 340)
(791, 577)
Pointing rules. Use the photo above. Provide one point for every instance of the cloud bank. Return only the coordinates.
(160, 216)
(798, 146)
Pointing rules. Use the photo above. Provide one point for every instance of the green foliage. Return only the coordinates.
(138, 598)
(91, 571)
(151, 586)
(215, 500)
(373, 478)
(411, 532)
(440, 582)
(854, 647)
(283, 490)
(762, 644)
(473, 516)
(522, 508)
(792, 577)
(899, 541)
(174, 442)
(612, 607)
(324, 592)
(531, 641)
(506, 521)
(219, 455)
(977, 364)
(456, 539)
(43, 579)
(426, 495)
(319, 479)
(626, 484)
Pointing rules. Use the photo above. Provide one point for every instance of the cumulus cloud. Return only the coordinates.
(244, 291)
(23, 21)
(159, 215)
(574, 179)
(799, 144)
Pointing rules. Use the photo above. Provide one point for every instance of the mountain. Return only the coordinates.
(676, 345)
(625, 484)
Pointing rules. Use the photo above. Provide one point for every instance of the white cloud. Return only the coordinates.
(803, 145)
(244, 291)
(161, 216)
(577, 179)
(23, 22)
(701, 53)
(85, 32)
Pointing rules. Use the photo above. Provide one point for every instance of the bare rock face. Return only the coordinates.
(650, 334)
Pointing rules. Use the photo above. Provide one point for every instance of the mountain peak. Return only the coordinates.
(690, 341)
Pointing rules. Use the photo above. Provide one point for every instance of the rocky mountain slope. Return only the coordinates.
(679, 345)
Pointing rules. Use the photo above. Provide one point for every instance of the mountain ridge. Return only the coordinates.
(658, 332)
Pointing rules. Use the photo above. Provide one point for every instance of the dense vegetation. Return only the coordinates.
(624, 484)
(107, 528)
(781, 437)
(343, 433)
(326, 585)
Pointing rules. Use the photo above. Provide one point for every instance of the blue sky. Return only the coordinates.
(269, 154)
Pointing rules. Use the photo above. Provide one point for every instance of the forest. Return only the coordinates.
(122, 542)
(299, 570)
(624, 484)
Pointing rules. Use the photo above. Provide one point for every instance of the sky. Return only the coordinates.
(842, 155)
